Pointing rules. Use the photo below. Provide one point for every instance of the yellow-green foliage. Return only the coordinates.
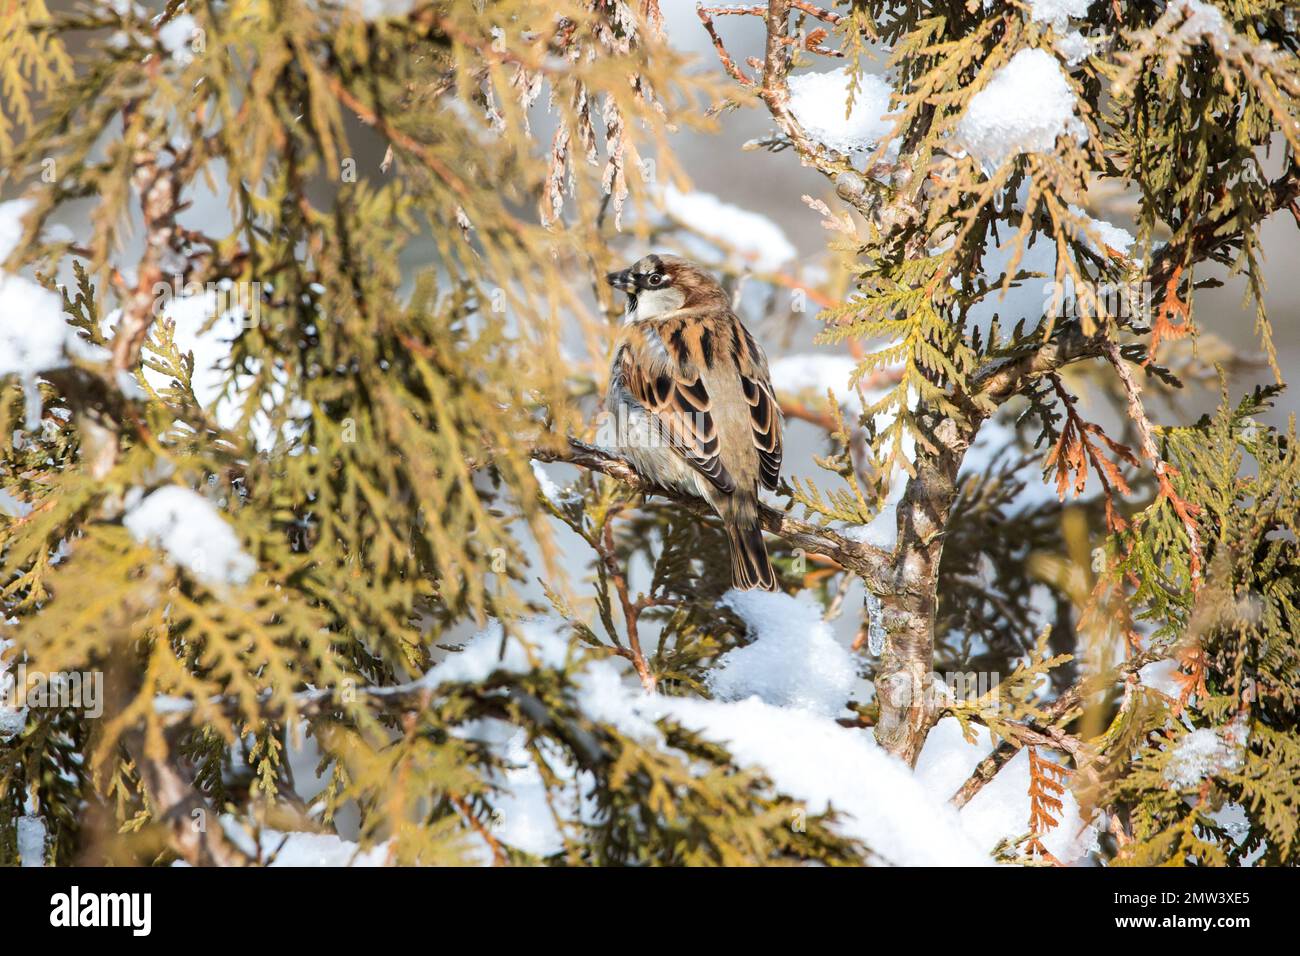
(423, 206)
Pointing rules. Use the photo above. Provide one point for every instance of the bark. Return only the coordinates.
(903, 681)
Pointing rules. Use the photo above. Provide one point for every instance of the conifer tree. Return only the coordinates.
(302, 325)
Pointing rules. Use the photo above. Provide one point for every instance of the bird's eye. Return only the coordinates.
(655, 279)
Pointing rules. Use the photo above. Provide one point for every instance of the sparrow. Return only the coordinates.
(690, 392)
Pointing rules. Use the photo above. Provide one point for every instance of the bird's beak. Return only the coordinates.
(621, 280)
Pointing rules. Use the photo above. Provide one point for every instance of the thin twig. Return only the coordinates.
(631, 610)
(1185, 510)
(1058, 712)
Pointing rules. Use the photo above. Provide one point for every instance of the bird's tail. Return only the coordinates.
(750, 567)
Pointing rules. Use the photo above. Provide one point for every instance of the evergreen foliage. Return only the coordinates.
(410, 339)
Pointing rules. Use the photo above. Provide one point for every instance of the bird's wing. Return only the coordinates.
(765, 422)
(764, 413)
(679, 404)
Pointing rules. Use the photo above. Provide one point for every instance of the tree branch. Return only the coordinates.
(1060, 711)
(871, 563)
(1000, 381)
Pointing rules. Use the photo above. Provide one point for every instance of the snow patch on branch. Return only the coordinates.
(12, 719)
(805, 753)
(882, 531)
(1208, 752)
(483, 655)
(757, 241)
(1024, 108)
(1074, 47)
(1161, 676)
(188, 527)
(379, 9)
(1057, 12)
(793, 661)
(297, 848)
(11, 224)
(819, 101)
(1121, 240)
(203, 326)
(35, 336)
(550, 490)
(777, 699)
(1201, 20)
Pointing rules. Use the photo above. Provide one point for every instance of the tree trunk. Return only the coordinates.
(904, 688)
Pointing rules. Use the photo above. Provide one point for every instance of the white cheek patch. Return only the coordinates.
(656, 302)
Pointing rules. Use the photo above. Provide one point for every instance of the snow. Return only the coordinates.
(378, 9)
(1074, 47)
(548, 643)
(1001, 808)
(1121, 240)
(12, 719)
(165, 704)
(302, 849)
(548, 487)
(521, 817)
(607, 697)
(819, 102)
(814, 759)
(1200, 20)
(210, 346)
(176, 35)
(1207, 752)
(1057, 12)
(199, 328)
(793, 661)
(553, 493)
(1159, 676)
(1023, 109)
(11, 224)
(882, 530)
(35, 335)
(799, 746)
(31, 840)
(188, 527)
(775, 707)
(759, 242)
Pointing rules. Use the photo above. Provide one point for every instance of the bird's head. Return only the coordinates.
(656, 285)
